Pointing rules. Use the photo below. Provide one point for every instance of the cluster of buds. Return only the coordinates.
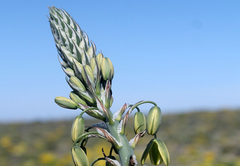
(90, 77)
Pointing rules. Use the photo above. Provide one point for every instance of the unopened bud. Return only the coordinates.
(66, 103)
(78, 128)
(76, 82)
(107, 68)
(90, 52)
(157, 151)
(68, 71)
(153, 120)
(76, 98)
(99, 58)
(93, 66)
(89, 74)
(139, 122)
(79, 157)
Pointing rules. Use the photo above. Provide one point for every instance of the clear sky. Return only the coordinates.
(183, 55)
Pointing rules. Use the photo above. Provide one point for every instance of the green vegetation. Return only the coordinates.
(193, 139)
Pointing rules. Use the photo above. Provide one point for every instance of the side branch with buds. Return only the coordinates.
(90, 76)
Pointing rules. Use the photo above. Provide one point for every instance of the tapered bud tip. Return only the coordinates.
(107, 69)
(153, 120)
(66, 103)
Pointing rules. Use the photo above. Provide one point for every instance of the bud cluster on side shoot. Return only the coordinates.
(90, 77)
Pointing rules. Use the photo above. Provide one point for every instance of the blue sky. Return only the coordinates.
(184, 55)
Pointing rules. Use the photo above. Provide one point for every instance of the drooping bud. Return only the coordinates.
(79, 157)
(139, 122)
(78, 127)
(107, 68)
(155, 156)
(66, 103)
(146, 151)
(163, 151)
(157, 151)
(153, 120)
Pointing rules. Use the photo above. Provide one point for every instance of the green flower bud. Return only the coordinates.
(66, 103)
(146, 151)
(90, 52)
(96, 114)
(162, 148)
(79, 157)
(153, 120)
(99, 58)
(89, 73)
(76, 98)
(76, 82)
(107, 67)
(154, 154)
(68, 71)
(78, 69)
(78, 127)
(88, 98)
(93, 65)
(157, 151)
(139, 122)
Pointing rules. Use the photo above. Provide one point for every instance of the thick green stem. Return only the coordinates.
(125, 151)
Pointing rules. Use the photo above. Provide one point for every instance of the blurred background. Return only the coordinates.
(183, 55)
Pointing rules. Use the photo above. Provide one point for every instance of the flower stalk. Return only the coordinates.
(90, 76)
